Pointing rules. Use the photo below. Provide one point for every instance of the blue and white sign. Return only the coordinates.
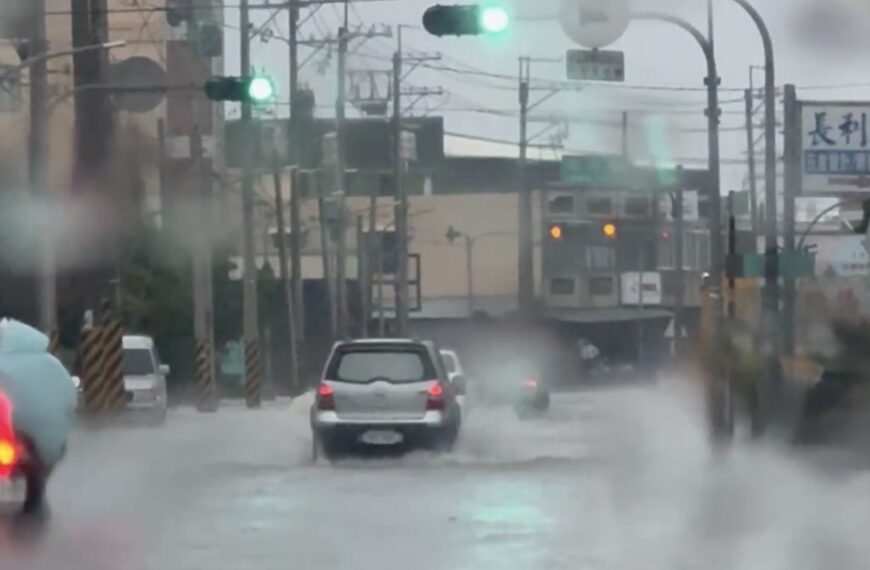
(835, 147)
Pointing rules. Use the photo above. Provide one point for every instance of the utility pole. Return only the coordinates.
(285, 277)
(293, 42)
(625, 135)
(641, 333)
(469, 273)
(296, 255)
(38, 167)
(750, 149)
(679, 214)
(525, 268)
(401, 195)
(325, 254)
(373, 253)
(203, 314)
(791, 189)
(341, 178)
(362, 272)
(249, 302)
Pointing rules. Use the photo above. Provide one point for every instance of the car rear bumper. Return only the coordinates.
(328, 420)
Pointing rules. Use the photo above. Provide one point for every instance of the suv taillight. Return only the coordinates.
(436, 397)
(325, 397)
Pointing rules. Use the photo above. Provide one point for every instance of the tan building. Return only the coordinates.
(488, 218)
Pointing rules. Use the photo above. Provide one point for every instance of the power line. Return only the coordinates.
(281, 6)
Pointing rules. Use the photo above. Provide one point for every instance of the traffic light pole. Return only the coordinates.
(251, 330)
(722, 425)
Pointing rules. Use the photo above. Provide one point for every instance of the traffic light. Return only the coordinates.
(466, 19)
(556, 232)
(609, 230)
(254, 89)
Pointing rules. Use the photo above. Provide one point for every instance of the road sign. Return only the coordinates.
(835, 147)
(595, 23)
(602, 171)
(596, 65)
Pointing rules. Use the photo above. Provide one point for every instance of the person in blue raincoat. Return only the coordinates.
(43, 399)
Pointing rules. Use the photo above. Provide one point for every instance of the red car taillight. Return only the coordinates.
(325, 397)
(531, 384)
(436, 397)
(10, 450)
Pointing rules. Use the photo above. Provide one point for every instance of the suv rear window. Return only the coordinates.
(391, 363)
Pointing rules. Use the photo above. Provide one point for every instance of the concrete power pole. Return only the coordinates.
(296, 153)
(251, 331)
(525, 266)
(38, 168)
(285, 277)
(401, 196)
(341, 186)
(791, 189)
(203, 305)
(679, 215)
(750, 149)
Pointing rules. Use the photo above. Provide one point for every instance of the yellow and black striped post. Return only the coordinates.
(54, 342)
(114, 396)
(253, 372)
(205, 385)
(91, 347)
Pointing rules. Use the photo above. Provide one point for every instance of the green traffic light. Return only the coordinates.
(261, 89)
(494, 19)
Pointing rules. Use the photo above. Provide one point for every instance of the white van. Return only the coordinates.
(144, 378)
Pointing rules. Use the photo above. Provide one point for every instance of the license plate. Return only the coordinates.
(12, 491)
(379, 437)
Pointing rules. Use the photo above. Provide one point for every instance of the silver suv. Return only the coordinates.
(384, 392)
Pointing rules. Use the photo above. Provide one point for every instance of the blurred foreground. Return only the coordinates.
(610, 478)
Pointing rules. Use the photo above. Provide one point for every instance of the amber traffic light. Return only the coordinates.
(609, 230)
(556, 232)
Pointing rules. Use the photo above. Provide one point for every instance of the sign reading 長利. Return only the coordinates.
(835, 147)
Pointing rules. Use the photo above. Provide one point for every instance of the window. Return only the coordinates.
(393, 364)
(600, 258)
(137, 362)
(562, 205)
(636, 207)
(599, 206)
(561, 286)
(601, 286)
(696, 252)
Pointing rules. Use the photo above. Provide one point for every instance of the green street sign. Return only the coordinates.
(791, 265)
(613, 172)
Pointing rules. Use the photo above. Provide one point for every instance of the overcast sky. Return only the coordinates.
(819, 44)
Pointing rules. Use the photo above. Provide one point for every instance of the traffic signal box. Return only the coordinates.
(466, 20)
(254, 90)
(557, 232)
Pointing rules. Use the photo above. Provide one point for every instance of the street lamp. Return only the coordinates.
(470, 241)
(723, 424)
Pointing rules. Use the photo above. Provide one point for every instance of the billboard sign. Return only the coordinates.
(835, 147)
